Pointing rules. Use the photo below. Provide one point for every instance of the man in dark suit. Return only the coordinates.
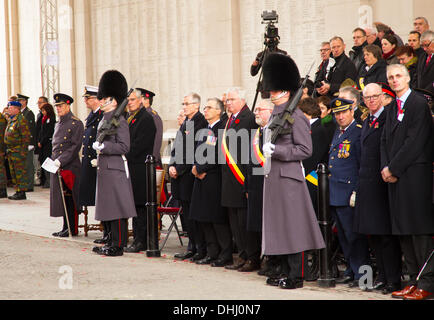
(206, 206)
(425, 66)
(142, 134)
(236, 152)
(372, 216)
(338, 70)
(406, 162)
(344, 163)
(182, 181)
(88, 171)
(30, 116)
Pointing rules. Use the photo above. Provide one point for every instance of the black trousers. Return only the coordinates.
(106, 229)
(293, 265)
(218, 239)
(119, 233)
(253, 245)
(416, 250)
(72, 215)
(196, 238)
(387, 252)
(238, 224)
(140, 226)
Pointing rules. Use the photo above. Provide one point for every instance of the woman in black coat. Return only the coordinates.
(44, 139)
(374, 69)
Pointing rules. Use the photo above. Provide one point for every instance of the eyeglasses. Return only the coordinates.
(324, 50)
(374, 97)
(187, 104)
(230, 100)
(426, 45)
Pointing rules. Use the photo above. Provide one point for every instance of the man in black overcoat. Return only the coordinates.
(425, 66)
(235, 147)
(372, 215)
(142, 135)
(406, 162)
(181, 163)
(206, 206)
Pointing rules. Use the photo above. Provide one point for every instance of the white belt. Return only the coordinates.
(126, 166)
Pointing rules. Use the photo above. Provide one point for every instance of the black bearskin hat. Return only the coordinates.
(280, 73)
(113, 84)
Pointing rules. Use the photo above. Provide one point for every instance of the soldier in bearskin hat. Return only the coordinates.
(114, 201)
(290, 226)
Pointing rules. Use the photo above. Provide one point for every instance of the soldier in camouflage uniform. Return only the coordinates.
(17, 139)
(3, 179)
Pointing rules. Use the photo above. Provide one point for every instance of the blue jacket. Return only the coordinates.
(344, 164)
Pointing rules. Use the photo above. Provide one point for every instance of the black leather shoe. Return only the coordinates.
(353, 284)
(221, 263)
(344, 280)
(113, 251)
(135, 248)
(99, 250)
(389, 288)
(198, 257)
(236, 265)
(288, 283)
(250, 266)
(19, 195)
(274, 281)
(185, 255)
(379, 285)
(62, 234)
(102, 240)
(206, 260)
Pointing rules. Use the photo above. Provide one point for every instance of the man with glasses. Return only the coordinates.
(425, 67)
(406, 162)
(88, 171)
(372, 207)
(324, 52)
(182, 179)
(67, 141)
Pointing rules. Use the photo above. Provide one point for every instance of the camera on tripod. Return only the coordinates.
(270, 18)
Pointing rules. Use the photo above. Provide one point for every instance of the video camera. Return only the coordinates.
(270, 18)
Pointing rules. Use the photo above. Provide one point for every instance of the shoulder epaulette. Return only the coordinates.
(359, 125)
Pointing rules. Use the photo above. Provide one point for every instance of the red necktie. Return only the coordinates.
(428, 59)
(400, 111)
(230, 121)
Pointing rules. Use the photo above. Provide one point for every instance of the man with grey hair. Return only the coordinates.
(425, 66)
(182, 179)
(406, 163)
(421, 24)
(234, 171)
(371, 36)
(371, 216)
(206, 207)
(353, 94)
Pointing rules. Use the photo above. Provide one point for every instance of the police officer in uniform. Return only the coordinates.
(88, 171)
(3, 178)
(17, 139)
(67, 139)
(30, 116)
(147, 100)
(344, 164)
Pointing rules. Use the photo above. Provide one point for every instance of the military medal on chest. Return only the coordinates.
(344, 149)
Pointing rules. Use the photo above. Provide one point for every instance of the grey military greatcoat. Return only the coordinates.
(114, 194)
(289, 223)
(66, 142)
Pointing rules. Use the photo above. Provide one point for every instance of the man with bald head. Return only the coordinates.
(372, 208)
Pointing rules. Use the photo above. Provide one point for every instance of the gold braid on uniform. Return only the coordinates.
(131, 117)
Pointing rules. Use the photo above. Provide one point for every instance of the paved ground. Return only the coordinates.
(35, 265)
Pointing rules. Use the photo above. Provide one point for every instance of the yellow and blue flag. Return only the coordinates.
(313, 178)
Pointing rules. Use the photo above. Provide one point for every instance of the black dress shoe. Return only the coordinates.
(380, 285)
(344, 280)
(135, 248)
(206, 260)
(99, 250)
(185, 255)
(63, 234)
(288, 283)
(102, 240)
(221, 263)
(236, 265)
(250, 266)
(113, 251)
(353, 284)
(19, 195)
(198, 257)
(389, 288)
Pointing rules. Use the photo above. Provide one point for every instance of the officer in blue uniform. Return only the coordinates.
(344, 164)
(88, 171)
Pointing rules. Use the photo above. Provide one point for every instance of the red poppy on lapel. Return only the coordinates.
(237, 121)
(134, 120)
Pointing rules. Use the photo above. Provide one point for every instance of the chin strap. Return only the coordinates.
(280, 95)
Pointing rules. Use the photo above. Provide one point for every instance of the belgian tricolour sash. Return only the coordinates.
(256, 150)
(230, 160)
